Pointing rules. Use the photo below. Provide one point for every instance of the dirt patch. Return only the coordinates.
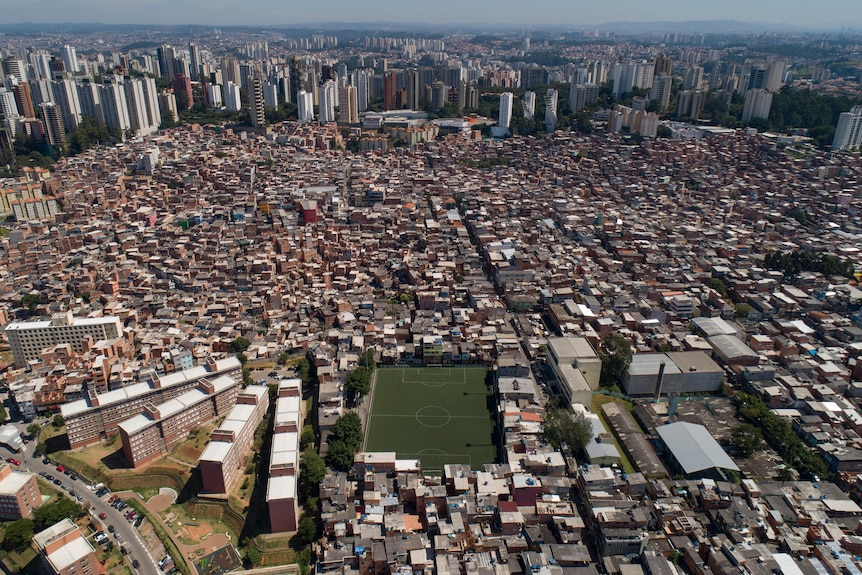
(159, 503)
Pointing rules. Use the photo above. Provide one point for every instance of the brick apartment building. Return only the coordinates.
(222, 462)
(96, 417)
(154, 432)
(65, 551)
(281, 496)
(19, 493)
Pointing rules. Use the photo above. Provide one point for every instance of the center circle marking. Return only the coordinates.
(433, 416)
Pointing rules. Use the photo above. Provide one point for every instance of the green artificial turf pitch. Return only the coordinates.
(438, 415)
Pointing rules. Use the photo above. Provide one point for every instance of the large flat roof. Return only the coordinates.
(694, 448)
(572, 347)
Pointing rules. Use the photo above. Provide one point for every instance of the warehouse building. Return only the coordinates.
(657, 374)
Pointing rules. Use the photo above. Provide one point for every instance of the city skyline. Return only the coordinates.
(791, 13)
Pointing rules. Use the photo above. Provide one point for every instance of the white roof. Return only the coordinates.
(216, 451)
(70, 553)
(282, 487)
(13, 482)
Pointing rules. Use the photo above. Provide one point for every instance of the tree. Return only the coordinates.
(58, 421)
(358, 381)
(312, 468)
(18, 535)
(34, 429)
(51, 513)
(31, 301)
(565, 428)
(253, 556)
(348, 428)
(307, 530)
(747, 438)
(306, 438)
(283, 358)
(339, 456)
(616, 355)
(239, 345)
(742, 309)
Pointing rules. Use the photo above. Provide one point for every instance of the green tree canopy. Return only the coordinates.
(747, 438)
(348, 428)
(339, 456)
(53, 512)
(307, 530)
(312, 470)
(564, 427)
(616, 355)
(31, 301)
(18, 535)
(239, 345)
(358, 381)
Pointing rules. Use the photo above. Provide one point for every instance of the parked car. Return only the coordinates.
(60, 468)
(103, 515)
(110, 528)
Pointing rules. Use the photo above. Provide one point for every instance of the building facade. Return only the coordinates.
(223, 460)
(98, 416)
(19, 494)
(28, 339)
(154, 432)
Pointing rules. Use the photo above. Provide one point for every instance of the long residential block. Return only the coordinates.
(27, 339)
(97, 416)
(155, 431)
(222, 461)
(281, 496)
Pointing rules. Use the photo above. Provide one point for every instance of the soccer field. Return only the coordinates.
(439, 415)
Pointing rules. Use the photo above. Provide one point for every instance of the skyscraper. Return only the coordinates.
(8, 107)
(70, 57)
(359, 80)
(661, 90)
(848, 132)
(270, 95)
(24, 100)
(529, 105)
(66, 97)
(166, 56)
(581, 94)
(506, 99)
(195, 64)
(53, 123)
(757, 104)
(183, 89)
(256, 102)
(214, 95)
(232, 101)
(551, 98)
(327, 101)
(305, 106)
(114, 108)
(90, 100)
(12, 66)
(389, 91)
(348, 110)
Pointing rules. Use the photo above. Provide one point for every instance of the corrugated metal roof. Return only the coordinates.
(694, 448)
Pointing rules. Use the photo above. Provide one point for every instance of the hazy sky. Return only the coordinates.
(515, 12)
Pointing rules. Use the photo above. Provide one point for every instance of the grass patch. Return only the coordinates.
(437, 415)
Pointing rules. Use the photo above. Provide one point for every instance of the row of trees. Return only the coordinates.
(780, 436)
(359, 380)
(792, 263)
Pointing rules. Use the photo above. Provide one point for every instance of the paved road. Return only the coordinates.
(137, 548)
